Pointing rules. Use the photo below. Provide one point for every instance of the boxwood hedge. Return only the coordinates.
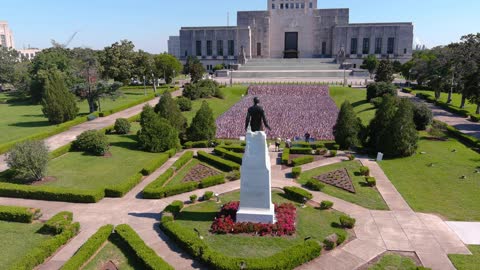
(297, 194)
(229, 155)
(18, 214)
(302, 160)
(51, 193)
(225, 165)
(301, 151)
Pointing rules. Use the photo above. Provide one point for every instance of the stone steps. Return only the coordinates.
(289, 74)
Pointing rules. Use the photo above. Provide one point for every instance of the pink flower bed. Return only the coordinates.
(292, 110)
(225, 221)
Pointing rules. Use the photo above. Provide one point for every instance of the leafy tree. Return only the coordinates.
(203, 125)
(378, 128)
(202, 89)
(94, 142)
(122, 126)
(22, 79)
(384, 72)
(380, 89)
(118, 61)
(184, 104)
(397, 66)
(29, 159)
(370, 63)
(168, 109)
(58, 104)
(8, 60)
(156, 134)
(195, 68)
(219, 67)
(167, 66)
(401, 139)
(422, 116)
(407, 70)
(347, 128)
(145, 68)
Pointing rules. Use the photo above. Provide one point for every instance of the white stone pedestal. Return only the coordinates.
(256, 182)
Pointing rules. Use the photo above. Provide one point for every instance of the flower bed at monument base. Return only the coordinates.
(225, 221)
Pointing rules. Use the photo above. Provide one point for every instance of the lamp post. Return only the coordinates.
(231, 74)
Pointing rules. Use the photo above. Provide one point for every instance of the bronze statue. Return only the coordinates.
(255, 117)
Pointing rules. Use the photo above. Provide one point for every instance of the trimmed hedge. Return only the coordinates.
(448, 107)
(39, 254)
(156, 192)
(153, 187)
(302, 160)
(50, 193)
(126, 106)
(364, 170)
(407, 90)
(229, 155)
(137, 246)
(301, 151)
(156, 163)
(315, 185)
(287, 259)
(296, 172)
(119, 190)
(184, 159)
(297, 194)
(475, 117)
(212, 181)
(314, 145)
(88, 249)
(225, 165)
(464, 138)
(285, 156)
(58, 223)
(326, 205)
(172, 152)
(234, 148)
(347, 221)
(175, 207)
(199, 144)
(60, 151)
(371, 181)
(18, 214)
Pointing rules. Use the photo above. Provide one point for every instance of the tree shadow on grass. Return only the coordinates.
(154, 216)
(31, 124)
(359, 103)
(336, 225)
(196, 216)
(126, 145)
(132, 260)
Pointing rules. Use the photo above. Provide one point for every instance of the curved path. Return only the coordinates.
(399, 229)
(66, 137)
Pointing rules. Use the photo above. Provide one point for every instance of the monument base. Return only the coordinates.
(257, 215)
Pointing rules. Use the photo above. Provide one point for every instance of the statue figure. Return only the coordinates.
(341, 55)
(242, 58)
(255, 117)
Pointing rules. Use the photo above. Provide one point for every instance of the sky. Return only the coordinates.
(148, 23)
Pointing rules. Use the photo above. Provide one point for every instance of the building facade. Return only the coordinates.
(6, 35)
(174, 46)
(296, 29)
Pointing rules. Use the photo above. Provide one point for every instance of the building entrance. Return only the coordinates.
(291, 45)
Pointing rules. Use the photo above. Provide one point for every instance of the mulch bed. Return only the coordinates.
(339, 178)
(46, 179)
(199, 172)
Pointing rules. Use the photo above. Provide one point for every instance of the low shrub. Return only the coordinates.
(341, 237)
(475, 118)
(333, 153)
(302, 160)
(155, 163)
(212, 181)
(286, 156)
(122, 126)
(120, 189)
(184, 104)
(326, 205)
(87, 250)
(234, 148)
(184, 159)
(232, 156)
(199, 144)
(144, 253)
(233, 175)
(225, 165)
(301, 151)
(58, 223)
(18, 214)
(92, 142)
(371, 181)
(407, 90)
(29, 160)
(364, 170)
(171, 152)
(175, 207)
(296, 172)
(193, 198)
(317, 145)
(315, 185)
(347, 222)
(422, 116)
(50, 193)
(321, 151)
(208, 195)
(329, 244)
(297, 194)
(380, 89)
(351, 157)
(336, 147)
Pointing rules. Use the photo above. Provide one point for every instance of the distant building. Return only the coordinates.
(29, 53)
(296, 29)
(6, 35)
(174, 46)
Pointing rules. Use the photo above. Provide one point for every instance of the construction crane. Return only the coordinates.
(64, 45)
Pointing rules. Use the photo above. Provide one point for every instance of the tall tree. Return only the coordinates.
(167, 66)
(370, 63)
(203, 125)
(117, 61)
(168, 109)
(58, 104)
(401, 139)
(8, 59)
(378, 127)
(384, 72)
(145, 68)
(347, 128)
(195, 68)
(156, 134)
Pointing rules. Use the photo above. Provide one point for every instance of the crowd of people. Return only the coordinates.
(291, 110)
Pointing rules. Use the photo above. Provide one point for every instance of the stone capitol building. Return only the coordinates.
(294, 29)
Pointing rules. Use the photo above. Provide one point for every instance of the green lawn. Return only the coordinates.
(356, 97)
(366, 196)
(456, 100)
(394, 262)
(439, 188)
(21, 119)
(310, 222)
(467, 262)
(16, 239)
(219, 106)
(117, 252)
(80, 171)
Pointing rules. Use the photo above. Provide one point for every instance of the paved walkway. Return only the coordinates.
(469, 232)
(66, 137)
(459, 122)
(399, 229)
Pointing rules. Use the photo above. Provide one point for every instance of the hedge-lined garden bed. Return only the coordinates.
(18, 214)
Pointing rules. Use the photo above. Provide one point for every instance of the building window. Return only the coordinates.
(286, 6)
(391, 45)
(378, 46)
(209, 48)
(3, 40)
(366, 46)
(186, 53)
(273, 6)
(324, 48)
(219, 47)
(231, 48)
(281, 6)
(310, 5)
(405, 51)
(302, 5)
(198, 48)
(259, 49)
(297, 5)
(353, 46)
